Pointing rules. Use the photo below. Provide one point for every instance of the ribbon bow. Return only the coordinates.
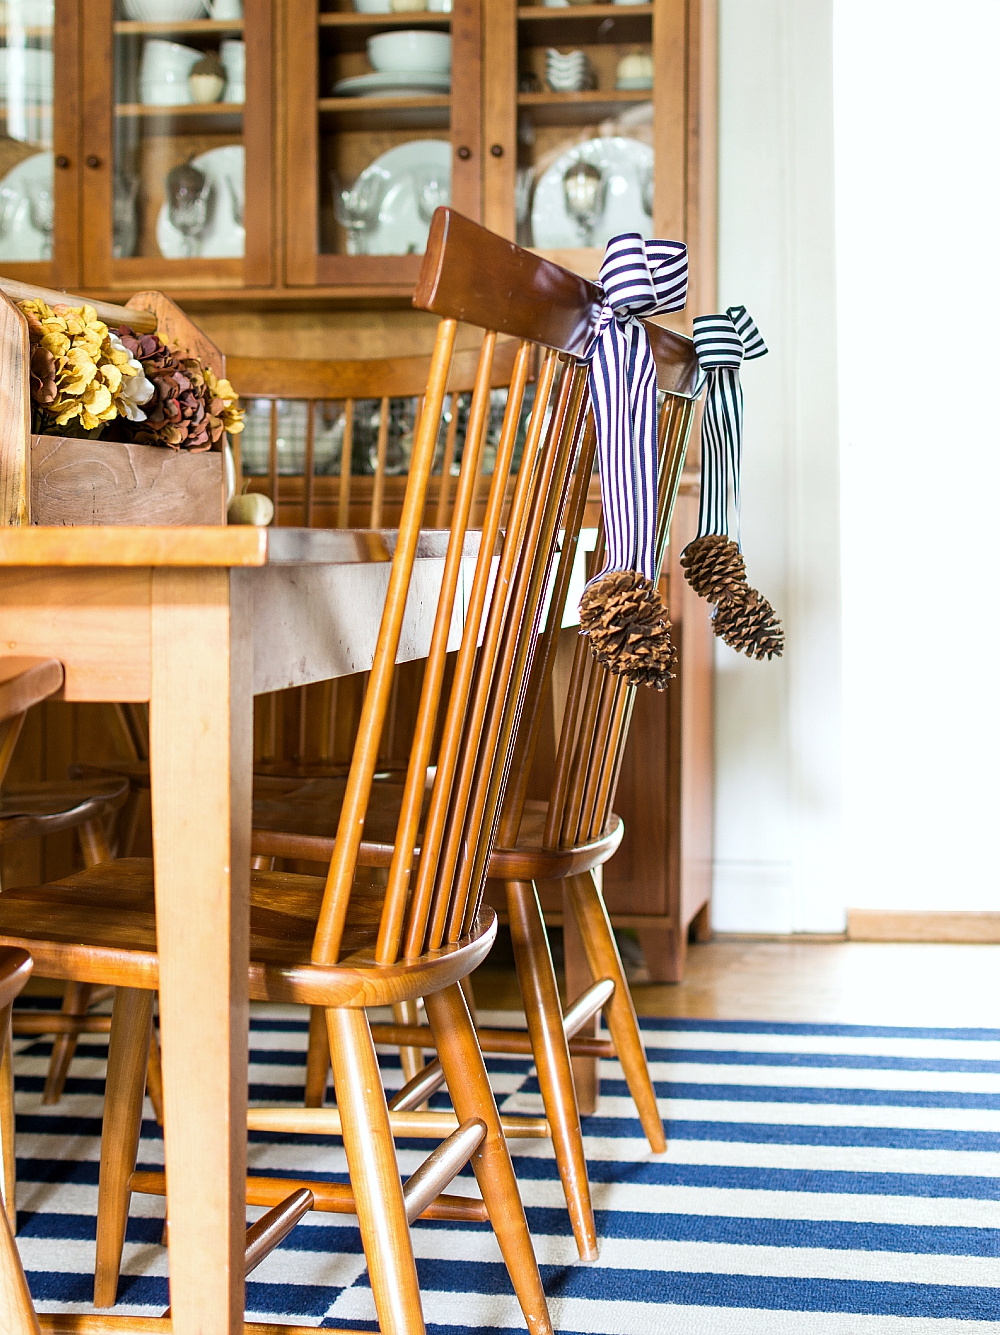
(640, 278)
(723, 343)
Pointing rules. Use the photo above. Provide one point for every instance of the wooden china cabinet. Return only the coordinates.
(248, 210)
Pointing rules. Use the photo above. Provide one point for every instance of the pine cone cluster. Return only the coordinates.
(179, 413)
(748, 624)
(713, 566)
(744, 619)
(624, 616)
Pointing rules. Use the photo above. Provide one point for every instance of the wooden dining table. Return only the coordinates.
(197, 621)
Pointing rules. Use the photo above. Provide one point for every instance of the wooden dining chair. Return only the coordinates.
(29, 811)
(565, 839)
(357, 939)
(17, 1312)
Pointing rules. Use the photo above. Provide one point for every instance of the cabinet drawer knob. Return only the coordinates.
(464, 153)
(497, 150)
(62, 161)
(93, 160)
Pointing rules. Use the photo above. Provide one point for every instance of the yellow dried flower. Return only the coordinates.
(230, 415)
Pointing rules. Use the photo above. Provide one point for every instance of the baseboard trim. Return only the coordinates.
(893, 925)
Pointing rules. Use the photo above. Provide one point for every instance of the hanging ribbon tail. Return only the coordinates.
(713, 563)
(621, 609)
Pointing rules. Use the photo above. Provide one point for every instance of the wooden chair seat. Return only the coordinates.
(28, 810)
(135, 771)
(99, 926)
(295, 818)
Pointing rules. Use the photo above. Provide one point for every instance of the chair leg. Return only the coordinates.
(411, 1059)
(128, 1059)
(371, 1160)
(17, 1314)
(76, 1000)
(154, 1078)
(317, 1059)
(543, 1010)
(469, 1087)
(9, 1160)
(605, 962)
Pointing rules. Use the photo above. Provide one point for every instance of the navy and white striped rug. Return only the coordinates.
(820, 1180)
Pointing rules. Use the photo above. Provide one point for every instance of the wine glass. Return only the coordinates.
(432, 188)
(188, 191)
(42, 208)
(237, 201)
(124, 230)
(585, 188)
(646, 189)
(356, 207)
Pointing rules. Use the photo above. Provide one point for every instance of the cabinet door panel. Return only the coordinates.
(39, 149)
(178, 149)
(377, 138)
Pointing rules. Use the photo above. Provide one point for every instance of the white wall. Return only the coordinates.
(778, 723)
(918, 224)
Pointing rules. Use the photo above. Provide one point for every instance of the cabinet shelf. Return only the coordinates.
(386, 113)
(580, 108)
(193, 27)
(184, 111)
(541, 13)
(418, 20)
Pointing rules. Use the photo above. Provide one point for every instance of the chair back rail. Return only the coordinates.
(482, 706)
(371, 500)
(23, 682)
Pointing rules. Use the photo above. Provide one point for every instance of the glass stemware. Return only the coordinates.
(432, 189)
(356, 207)
(646, 189)
(236, 199)
(42, 207)
(125, 231)
(188, 191)
(585, 188)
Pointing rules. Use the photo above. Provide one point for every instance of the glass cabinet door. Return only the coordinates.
(177, 134)
(37, 227)
(384, 126)
(582, 100)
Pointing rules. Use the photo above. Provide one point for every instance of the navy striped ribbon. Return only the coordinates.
(640, 278)
(723, 343)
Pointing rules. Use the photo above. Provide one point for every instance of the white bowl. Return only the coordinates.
(160, 59)
(373, 6)
(410, 51)
(164, 11)
(162, 94)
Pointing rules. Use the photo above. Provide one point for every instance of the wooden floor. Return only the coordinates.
(833, 981)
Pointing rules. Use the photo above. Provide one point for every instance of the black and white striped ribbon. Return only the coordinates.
(722, 343)
(640, 278)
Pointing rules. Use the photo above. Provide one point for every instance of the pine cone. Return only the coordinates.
(713, 566)
(748, 623)
(624, 616)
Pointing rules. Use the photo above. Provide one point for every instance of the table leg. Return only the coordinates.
(201, 726)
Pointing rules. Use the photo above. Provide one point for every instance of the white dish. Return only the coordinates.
(409, 51)
(164, 11)
(19, 239)
(224, 237)
(634, 85)
(625, 161)
(400, 230)
(159, 56)
(373, 6)
(416, 84)
(32, 13)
